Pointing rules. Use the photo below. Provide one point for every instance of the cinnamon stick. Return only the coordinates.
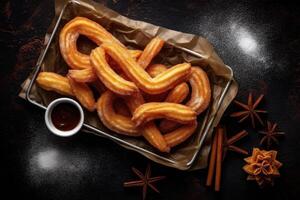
(237, 137)
(237, 149)
(212, 161)
(220, 134)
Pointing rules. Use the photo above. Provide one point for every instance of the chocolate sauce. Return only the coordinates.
(65, 116)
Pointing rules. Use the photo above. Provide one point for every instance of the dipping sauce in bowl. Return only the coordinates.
(64, 117)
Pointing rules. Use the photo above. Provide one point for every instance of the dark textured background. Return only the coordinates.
(258, 39)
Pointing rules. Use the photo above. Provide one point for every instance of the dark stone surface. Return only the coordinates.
(258, 39)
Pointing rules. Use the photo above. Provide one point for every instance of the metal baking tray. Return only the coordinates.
(169, 161)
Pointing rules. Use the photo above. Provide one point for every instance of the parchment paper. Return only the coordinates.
(136, 34)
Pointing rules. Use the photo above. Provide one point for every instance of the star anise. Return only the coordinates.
(146, 180)
(262, 167)
(270, 135)
(228, 143)
(250, 110)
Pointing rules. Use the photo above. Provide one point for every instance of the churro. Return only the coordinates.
(175, 95)
(109, 77)
(51, 81)
(201, 92)
(178, 94)
(180, 134)
(83, 75)
(69, 35)
(149, 131)
(112, 120)
(172, 111)
(83, 93)
(95, 32)
(161, 83)
(156, 69)
(200, 97)
(150, 51)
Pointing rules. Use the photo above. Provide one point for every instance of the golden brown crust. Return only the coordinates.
(156, 69)
(122, 124)
(149, 131)
(69, 35)
(112, 120)
(178, 94)
(181, 134)
(172, 111)
(152, 134)
(161, 83)
(153, 70)
(54, 82)
(200, 97)
(201, 92)
(68, 45)
(135, 54)
(83, 75)
(109, 77)
(150, 51)
(83, 93)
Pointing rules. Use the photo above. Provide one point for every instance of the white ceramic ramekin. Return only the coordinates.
(50, 124)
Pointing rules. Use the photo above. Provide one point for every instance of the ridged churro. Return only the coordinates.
(156, 69)
(153, 70)
(150, 51)
(153, 135)
(149, 131)
(135, 54)
(178, 93)
(83, 75)
(200, 97)
(172, 111)
(112, 120)
(109, 77)
(95, 32)
(54, 82)
(161, 83)
(69, 35)
(180, 134)
(201, 92)
(83, 93)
